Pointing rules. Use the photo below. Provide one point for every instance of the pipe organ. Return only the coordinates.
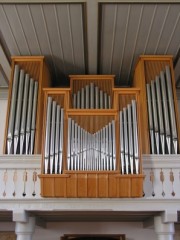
(92, 134)
(100, 155)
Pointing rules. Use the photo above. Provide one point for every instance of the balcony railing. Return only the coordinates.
(19, 177)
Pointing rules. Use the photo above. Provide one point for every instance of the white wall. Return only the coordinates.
(53, 231)
(133, 231)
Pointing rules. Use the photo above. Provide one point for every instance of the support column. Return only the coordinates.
(25, 225)
(164, 231)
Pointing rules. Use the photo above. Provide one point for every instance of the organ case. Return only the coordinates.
(91, 153)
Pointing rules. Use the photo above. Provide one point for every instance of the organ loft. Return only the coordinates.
(92, 134)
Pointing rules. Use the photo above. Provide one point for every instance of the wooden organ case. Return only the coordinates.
(88, 151)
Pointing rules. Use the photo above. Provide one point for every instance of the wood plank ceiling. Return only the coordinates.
(76, 40)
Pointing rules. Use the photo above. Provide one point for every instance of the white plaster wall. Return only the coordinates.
(3, 110)
(133, 231)
(53, 231)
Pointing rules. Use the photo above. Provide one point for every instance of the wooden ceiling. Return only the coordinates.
(90, 36)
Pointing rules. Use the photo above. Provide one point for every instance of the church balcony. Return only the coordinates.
(20, 183)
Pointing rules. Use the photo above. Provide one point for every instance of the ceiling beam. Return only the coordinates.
(84, 1)
(92, 35)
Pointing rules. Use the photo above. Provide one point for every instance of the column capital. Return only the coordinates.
(164, 231)
(20, 215)
(169, 216)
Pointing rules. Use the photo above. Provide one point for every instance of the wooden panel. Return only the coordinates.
(82, 185)
(47, 186)
(112, 193)
(124, 187)
(103, 185)
(92, 185)
(60, 186)
(137, 186)
(71, 185)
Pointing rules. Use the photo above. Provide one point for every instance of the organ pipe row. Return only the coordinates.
(87, 151)
(161, 113)
(53, 137)
(91, 97)
(22, 116)
(129, 144)
(91, 151)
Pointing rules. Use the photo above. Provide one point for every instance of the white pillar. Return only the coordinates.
(25, 230)
(24, 225)
(164, 231)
